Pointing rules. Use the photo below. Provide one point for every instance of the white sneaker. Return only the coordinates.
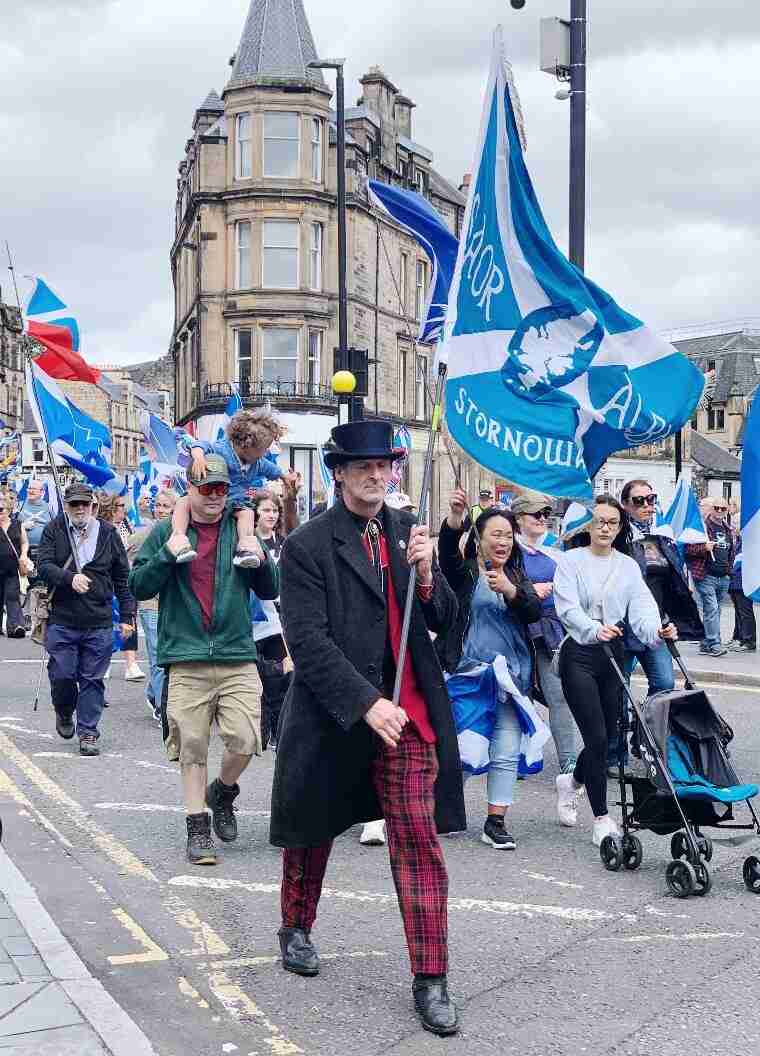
(134, 673)
(568, 794)
(603, 827)
(373, 833)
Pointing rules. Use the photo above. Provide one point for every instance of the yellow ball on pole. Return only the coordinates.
(343, 382)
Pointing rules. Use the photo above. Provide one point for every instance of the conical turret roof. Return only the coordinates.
(275, 46)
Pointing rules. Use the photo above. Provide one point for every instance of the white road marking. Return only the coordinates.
(686, 936)
(105, 755)
(481, 905)
(553, 880)
(254, 962)
(25, 729)
(655, 912)
(163, 807)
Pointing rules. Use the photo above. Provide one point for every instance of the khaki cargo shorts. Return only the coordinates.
(200, 694)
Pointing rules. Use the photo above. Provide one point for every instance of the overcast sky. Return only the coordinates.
(97, 99)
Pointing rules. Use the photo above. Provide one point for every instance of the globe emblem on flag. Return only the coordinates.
(550, 348)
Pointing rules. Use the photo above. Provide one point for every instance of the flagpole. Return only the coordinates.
(25, 344)
(435, 425)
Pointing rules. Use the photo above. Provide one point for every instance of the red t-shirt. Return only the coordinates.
(203, 569)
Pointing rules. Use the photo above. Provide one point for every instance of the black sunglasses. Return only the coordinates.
(79, 504)
(542, 515)
(644, 500)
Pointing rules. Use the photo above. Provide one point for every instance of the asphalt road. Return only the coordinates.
(549, 952)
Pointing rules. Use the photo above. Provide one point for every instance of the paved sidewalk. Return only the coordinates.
(734, 668)
(50, 1005)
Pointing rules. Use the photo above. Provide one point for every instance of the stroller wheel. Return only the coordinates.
(705, 847)
(611, 853)
(633, 852)
(704, 879)
(751, 874)
(680, 846)
(680, 878)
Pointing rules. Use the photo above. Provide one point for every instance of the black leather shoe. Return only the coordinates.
(298, 953)
(219, 799)
(434, 1006)
(64, 726)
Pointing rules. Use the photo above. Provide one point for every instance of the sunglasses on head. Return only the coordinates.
(644, 500)
(219, 488)
(79, 504)
(544, 514)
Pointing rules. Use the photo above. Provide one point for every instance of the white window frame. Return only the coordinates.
(420, 394)
(268, 225)
(314, 361)
(283, 139)
(403, 283)
(420, 288)
(249, 358)
(403, 374)
(315, 257)
(316, 149)
(243, 147)
(265, 332)
(243, 269)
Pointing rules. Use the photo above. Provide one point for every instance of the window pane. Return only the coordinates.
(316, 257)
(280, 361)
(243, 165)
(316, 149)
(281, 234)
(281, 126)
(281, 268)
(244, 254)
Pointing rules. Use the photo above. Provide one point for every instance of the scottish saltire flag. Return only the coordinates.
(401, 438)
(64, 429)
(577, 519)
(474, 696)
(683, 517)
(214, 426)
(159, 438)
(328, 481)
(750, 520)
(547, 374)
(417, 216)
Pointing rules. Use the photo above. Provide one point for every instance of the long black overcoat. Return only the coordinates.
(334, 618)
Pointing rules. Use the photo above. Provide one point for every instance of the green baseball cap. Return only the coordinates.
(216, 472)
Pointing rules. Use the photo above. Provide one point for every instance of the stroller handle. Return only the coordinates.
(675, 652)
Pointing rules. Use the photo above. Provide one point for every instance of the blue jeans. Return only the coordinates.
(149, 621)
(657, 664)
(565, 734)
(76, 666)
(712, 591)
(504, 753)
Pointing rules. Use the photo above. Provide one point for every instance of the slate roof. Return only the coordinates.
(276, 45)
(712, 457)
(443, 189)
(212, 103)
(734, 355)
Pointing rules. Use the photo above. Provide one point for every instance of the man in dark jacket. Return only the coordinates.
(206, 645)
(660, 565)
(346, 752)
(710, 565)
(80, 626)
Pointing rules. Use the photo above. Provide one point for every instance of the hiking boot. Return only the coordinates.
(64, 726)
(200, 846)
(88, 744)
(219, 798)
(496, 835)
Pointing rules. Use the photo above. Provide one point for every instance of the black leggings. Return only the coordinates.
(593, 693)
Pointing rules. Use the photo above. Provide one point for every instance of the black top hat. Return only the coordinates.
(366, 438)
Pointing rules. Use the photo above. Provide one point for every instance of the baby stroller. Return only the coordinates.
(688, 782)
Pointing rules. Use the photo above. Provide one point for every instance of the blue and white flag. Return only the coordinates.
(750, 520)
(577, 519)
(547, 374)
(401, 438)
(417, 216)
(68, 430)
(213, 427)
(682, 517)
(474, 696)
(159, 438)
(328, 480)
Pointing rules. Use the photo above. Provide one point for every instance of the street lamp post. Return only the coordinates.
(347, 405)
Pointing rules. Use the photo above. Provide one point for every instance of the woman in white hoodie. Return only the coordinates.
(597, 587)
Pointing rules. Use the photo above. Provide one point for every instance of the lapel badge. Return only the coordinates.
(401, 544)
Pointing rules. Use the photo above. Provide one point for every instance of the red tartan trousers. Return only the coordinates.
(404, 778)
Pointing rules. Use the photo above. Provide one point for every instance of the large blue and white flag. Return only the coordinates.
(415, 213)
(547, 374)
(213, 427)
(577, 519)
(159, 438)
(682, 522)
(69, 431)
(750, 520)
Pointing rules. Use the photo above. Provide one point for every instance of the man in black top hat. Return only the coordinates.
(80, 626)
(346, 752)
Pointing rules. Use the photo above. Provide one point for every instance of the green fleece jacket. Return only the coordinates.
(181, 633)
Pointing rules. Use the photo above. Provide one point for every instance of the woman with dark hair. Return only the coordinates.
(496, 603)
(598, 587)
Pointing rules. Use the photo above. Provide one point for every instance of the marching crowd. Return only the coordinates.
(289, 637)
